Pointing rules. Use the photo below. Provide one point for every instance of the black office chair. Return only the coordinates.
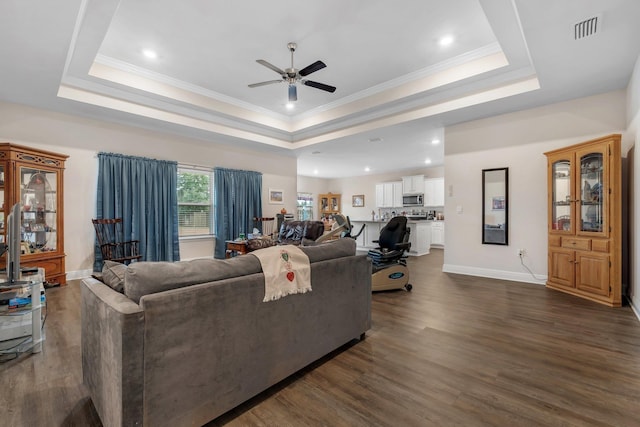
(390, 269)
(392, 243)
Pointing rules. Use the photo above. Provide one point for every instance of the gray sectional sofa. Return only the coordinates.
(188, 341)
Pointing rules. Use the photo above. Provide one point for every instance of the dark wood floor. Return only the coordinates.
(456, 351)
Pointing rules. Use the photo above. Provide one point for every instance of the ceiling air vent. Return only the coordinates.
(587, 27)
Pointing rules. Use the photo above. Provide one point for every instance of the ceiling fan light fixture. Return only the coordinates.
(293, 93)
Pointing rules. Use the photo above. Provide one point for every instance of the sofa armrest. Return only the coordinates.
(112, 353)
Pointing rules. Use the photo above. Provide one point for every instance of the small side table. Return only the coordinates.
(238, 247)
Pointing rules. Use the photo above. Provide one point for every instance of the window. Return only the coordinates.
(195, 202)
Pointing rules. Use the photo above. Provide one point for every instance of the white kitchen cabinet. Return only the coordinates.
(389, 195)
(397, 194)
(380, 195)
(371, 232)
(420, 237)
(413, 184)
(361, 239)
(437, 233)
(434, 192)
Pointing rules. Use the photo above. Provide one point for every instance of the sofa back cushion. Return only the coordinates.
(142, 278)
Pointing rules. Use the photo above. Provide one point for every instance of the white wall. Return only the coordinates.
(82, 139)
(314, 186)
(517, 141)
(633, 137)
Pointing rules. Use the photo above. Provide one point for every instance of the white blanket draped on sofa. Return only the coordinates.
(286, 271)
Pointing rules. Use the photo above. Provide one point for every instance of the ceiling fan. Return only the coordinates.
(293, 75)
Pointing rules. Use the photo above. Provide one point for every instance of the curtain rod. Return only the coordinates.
(192, 166)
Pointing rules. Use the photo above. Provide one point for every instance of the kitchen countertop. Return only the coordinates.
(384, 221)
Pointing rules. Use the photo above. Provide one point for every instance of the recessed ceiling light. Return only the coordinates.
(289, 105)
(435, 141)
(445, 41)
(367, 169)
(315, 171)
(151, 54)
(427, 161)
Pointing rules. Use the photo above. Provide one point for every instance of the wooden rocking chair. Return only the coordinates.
(110, 234)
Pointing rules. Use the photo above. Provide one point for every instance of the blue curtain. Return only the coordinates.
(238, 199)
(143, 192)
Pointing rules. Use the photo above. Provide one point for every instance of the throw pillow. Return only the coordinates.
(264, 242)
(113, 275)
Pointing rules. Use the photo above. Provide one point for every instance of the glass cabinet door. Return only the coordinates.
(591, 184)
(562, 197)
(335, 206)
(38, 197)
(324, 204)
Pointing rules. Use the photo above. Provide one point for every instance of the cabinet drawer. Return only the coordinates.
(600, 246)
(576, 243)
(51, 267)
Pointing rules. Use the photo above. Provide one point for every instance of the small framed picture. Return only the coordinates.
(498, 203)
(358, 201)
(276, 197)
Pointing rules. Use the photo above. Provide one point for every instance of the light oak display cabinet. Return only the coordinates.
(329, 204)
(585, 220)
(34, 178)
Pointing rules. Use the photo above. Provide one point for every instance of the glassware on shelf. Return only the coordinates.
(38, 196)
(591, 206)
(561, 193)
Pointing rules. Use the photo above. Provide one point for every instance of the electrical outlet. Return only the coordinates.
(521, 252)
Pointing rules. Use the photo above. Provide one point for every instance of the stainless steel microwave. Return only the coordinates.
(413, 200)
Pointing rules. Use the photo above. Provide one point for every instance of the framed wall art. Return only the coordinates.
(276, 197)
(358, 201)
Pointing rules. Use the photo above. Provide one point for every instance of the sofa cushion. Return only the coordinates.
(113, 275)
(144, 278)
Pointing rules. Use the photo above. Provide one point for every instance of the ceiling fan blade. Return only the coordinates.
(293, 93)
(270, 66)
(318, 65)
(321, 86)
(265, 83)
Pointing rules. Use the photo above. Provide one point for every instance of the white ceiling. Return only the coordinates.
(396, 86)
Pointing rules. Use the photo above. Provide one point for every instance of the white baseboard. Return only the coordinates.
(634, 308)
(493, 274)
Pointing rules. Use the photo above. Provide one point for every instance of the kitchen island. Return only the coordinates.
(420, 236)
